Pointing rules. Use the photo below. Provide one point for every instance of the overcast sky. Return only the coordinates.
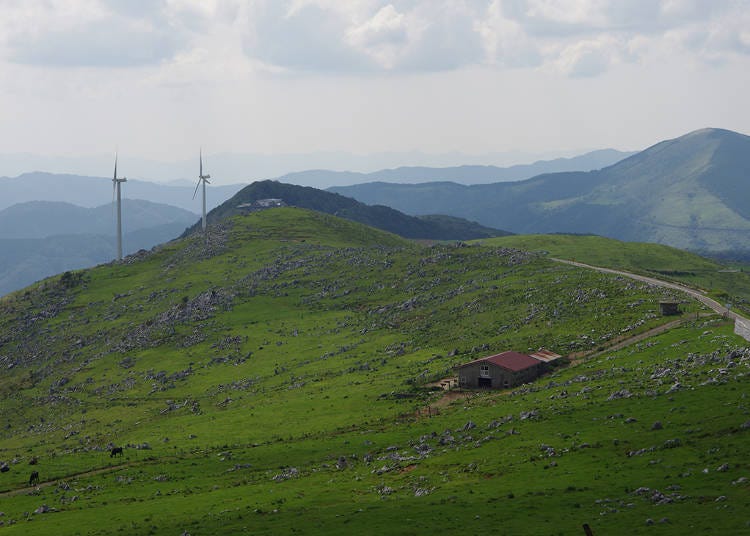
(159, 78)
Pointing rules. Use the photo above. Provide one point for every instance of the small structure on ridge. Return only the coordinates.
(669, 308)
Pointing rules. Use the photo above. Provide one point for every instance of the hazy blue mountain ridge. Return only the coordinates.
(96, 191)
(40, 219)
(43, 238)
(467, 174)
(25, 261)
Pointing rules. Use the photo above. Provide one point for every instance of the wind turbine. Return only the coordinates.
(116, 188)
(202, 179)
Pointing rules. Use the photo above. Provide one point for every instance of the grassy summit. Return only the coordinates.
(274, 380)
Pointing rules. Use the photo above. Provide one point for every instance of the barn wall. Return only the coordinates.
(526, 375)
(470, 375)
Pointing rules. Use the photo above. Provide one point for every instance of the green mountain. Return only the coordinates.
(687, 193)
(277, 378)
(432, 227)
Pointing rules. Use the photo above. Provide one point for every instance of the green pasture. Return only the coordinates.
(276, 381)
(727, 283)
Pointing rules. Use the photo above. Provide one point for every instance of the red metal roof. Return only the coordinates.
(513, 361)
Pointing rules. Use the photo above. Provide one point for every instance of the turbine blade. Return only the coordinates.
(201, 161)
(196, 188)
(115, 177)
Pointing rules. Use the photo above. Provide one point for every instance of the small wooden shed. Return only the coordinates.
(669, 308)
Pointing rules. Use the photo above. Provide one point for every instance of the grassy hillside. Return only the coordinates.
(275, 380)
(729, 284)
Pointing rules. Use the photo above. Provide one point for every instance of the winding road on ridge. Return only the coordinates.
(741, 324)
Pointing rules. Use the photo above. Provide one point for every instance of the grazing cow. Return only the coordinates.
(116, 451)
(33, 461)
(4, 468)
(34, 478)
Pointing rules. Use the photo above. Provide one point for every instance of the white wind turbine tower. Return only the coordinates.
(116, 188)
(202, 179)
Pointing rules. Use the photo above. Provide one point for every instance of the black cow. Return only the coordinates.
(4, 468)
(34, 478)
(116, 451)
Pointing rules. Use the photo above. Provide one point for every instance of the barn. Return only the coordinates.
(499, 371)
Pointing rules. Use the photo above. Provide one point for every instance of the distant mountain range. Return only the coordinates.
(248, 167)
(433, 227)
(459, 174)
(40, 238)
(96, 191)
(690, 192)
(41, 219)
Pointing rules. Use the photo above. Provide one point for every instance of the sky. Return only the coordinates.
(159, 79)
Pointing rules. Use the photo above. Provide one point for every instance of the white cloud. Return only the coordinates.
(89, 33)
(506, 41)
(302, 36)
(443, 36)
(588, 58)
(313, 75)
(382, 36)
(575, 37)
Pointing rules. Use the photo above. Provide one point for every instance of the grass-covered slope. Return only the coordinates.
(273, 380)
(726, 283)
(378, 216)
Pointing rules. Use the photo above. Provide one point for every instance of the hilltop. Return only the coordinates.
(686, 192)
(433, 227)
(275, 378)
